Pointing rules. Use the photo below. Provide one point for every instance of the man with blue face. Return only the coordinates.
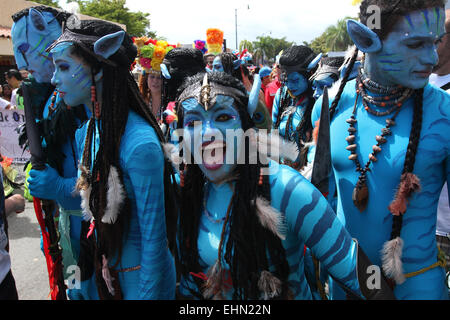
(293, 102)
(33, 31)
(390, 144)
(326, 75)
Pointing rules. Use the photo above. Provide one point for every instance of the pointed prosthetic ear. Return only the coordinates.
(237, 63)
(107, 45)
(165, 72)
(365, 39)
(38, 22)
(315, 62)
(254, 95)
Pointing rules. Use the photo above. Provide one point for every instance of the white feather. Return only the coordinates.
(271, 144)
(85, 195)
(172, 152)
(270, 218)
(392, 260)
(307, 170)
(269, 285)
(114, 197)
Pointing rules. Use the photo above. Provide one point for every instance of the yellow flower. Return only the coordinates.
(156, 64)
(356, 2)
(140, 41)
(162, 43)
(159, 53)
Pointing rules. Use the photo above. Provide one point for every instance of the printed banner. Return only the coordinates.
(9, 137)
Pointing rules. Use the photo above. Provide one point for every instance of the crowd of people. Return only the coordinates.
(207, 177)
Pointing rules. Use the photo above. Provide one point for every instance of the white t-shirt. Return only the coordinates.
(4, 103)
(14, 98)
(439, 81)
(443, 213)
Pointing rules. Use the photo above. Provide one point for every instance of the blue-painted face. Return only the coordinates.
(217, 65)
(72, 77)
(296, 83)
(320, 84)
(31, 37)
(409, 52)
(205, 136)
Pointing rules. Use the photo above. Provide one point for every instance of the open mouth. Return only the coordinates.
(213, 154)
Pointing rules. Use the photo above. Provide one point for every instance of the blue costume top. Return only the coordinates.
(310, 221)
(145, 245)
(373, 227)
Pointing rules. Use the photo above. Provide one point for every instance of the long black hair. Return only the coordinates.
(250, 248)
(120, 95)
(391, 11)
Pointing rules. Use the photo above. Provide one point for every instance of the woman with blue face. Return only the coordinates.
(294, 100)
(390, 144)
(243, 224)
(123, 178)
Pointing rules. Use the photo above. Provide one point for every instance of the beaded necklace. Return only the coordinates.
(394, 97)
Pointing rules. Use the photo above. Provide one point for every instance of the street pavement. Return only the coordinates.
(27, 260)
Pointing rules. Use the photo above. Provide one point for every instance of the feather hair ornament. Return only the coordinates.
(409, 183)
(84, 186)
(115, 197)
(269, 285)
(391, 256)
(107, 276)
(273, 146)
(270, 218)
(213, 287)
(172, 153)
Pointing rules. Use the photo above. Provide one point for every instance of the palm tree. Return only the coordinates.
(245, 44)
(336, 36)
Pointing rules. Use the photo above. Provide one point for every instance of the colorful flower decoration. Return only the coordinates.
(214, 40)
(151, 53)
(200, 45)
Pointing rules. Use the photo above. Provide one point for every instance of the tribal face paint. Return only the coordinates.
(410, 51)
(217, 65)
(296, 83)
(29, 46)
(72, 77)
(207, 133)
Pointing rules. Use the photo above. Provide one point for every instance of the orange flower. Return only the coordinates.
(159, 53)
(214, 36)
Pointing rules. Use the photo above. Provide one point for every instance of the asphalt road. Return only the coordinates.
(27, 260)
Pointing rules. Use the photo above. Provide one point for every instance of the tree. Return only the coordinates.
(337, 38)
(50, 3)
(245, 44)
(267, 48)
(334, 38)
(137, 23)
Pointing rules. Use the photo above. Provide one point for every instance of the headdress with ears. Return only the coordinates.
(365, 39)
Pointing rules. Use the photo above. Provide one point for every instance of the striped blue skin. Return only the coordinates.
(310, 221)
(298, 115)
(373, 227)
(142, 161)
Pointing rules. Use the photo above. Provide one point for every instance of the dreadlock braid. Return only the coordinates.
(343, 83)
(249, 247)
(410, 157)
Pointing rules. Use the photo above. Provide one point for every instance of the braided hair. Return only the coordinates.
(120, 95)
(60, 16)
(250, 248)
(391, 11)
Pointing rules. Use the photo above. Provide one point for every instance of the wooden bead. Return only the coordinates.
(351, 121)
(380, 139)
(350, 139)
(351, 130)
(390, 122)
(376, 149)
(386, 132)
(352, 147)
(353, 157)
(373, 158)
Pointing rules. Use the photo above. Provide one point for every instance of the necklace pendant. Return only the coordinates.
(360, 196)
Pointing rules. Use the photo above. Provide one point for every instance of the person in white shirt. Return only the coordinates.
(441, 79)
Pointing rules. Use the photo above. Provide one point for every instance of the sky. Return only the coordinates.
(183, 21)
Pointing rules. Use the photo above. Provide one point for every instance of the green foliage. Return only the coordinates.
(335, 38)
(137, 23)
(51, 3)
(266, 48)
